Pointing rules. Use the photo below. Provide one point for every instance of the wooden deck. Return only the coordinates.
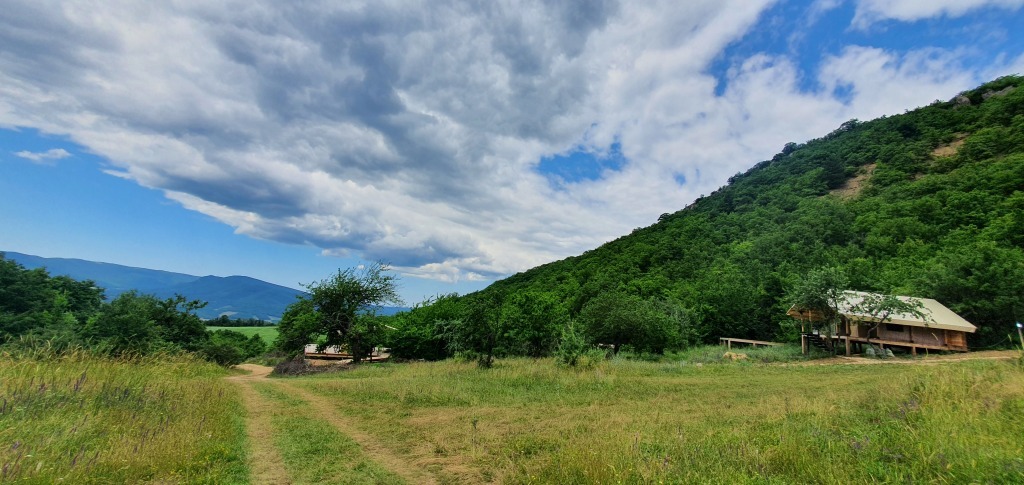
(727, 342)
(850, 342)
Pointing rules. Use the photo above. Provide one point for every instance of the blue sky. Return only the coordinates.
(462, 142)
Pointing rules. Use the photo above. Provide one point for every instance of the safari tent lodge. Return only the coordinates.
(940, 329)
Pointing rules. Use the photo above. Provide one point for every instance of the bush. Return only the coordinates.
(572, 346)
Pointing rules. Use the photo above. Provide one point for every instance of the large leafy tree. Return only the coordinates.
(821, 293)
(341, 310)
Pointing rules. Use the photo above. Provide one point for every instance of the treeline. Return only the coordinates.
(226, 321)
(36, 307)
(928, 204)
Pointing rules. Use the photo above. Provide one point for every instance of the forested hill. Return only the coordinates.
(928, 203)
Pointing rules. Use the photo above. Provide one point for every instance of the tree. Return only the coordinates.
(127, 324)
(177, 323)
(619, 319)
(881, 308)
(534, 319)
(479, 333)
(343, 309)
(821, 292)
(420, 332)
(298, 327)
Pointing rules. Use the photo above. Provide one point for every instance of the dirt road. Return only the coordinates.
(265, 460)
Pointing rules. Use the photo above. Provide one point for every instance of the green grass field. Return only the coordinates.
(269, 334)
(691, 418)
(529, 421)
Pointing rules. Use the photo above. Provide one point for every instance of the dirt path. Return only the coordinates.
(266, 464)
(930, 360)
(373, 449)
(264, 460)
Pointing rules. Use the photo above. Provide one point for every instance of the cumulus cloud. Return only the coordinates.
(412, 131)
(870, 11)
(48, 156)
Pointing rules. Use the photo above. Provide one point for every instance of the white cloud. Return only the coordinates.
(46, 157)
(411, 132)
(870, 11)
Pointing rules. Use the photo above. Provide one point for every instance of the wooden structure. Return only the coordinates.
(727, 342)
(336, 352)
(941, 329)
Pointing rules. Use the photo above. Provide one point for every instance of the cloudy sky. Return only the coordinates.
(461, 141)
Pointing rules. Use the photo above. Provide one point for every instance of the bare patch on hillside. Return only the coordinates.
(854, 185)
(951, 148)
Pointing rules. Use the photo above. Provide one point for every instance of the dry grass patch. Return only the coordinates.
(853, 186)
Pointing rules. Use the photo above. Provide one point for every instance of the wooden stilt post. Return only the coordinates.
(847, 346)
(803, 344)
(913, 351)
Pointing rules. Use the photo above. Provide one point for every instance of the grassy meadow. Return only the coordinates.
(630, 421)
(692, 417)
(79, 418)
(268, 334)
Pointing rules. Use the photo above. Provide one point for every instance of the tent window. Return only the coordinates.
(892, 327)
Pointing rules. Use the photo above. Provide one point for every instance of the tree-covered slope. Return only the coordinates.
(927, 203)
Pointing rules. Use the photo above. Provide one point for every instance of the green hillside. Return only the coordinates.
(928, 203)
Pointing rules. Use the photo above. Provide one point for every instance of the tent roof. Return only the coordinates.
(936, 314)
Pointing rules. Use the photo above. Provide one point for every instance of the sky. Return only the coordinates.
(458, 141)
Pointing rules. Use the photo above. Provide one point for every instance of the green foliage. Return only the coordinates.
(572, 346)
(65, 314)
(617, 319)
(881, 308)
(821, 292)
(420, 333)
(228, 347)
(298, 327)
(340, 311)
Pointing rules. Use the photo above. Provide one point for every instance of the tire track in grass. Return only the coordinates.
(324, 409)
(313, 450)
(265, 462)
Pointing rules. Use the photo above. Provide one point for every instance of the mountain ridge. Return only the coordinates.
(236, 296)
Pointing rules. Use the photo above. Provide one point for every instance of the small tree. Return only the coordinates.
(346, 302)
(821, 291)
(572, 345)
(881, 308)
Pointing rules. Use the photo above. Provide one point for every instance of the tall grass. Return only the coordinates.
(75, 417)
(629, 421)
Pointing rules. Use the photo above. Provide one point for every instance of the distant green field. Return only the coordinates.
(269, 334)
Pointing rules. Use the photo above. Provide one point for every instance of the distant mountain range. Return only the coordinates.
(235, 296)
